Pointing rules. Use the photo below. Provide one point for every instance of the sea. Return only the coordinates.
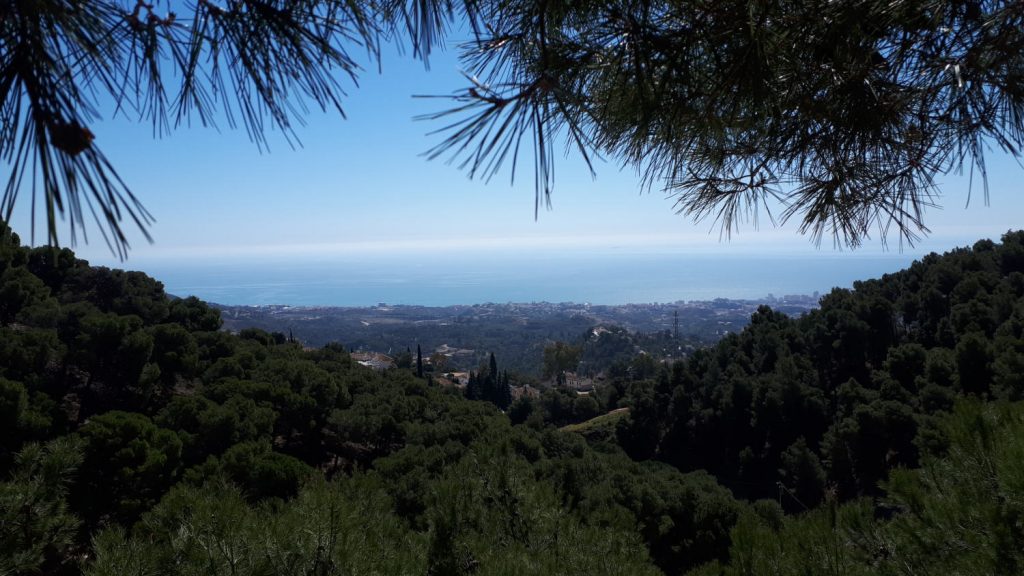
(447, 279)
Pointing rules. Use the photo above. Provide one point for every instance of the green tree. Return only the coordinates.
(37, 529)
(19, 289)
(559, 358)
(404, 359)
(958, 514)
(261, 472)
(974, 364)
(13, 404)
(345, 527)
(194, 314)
(803, 476)
(474, 387)
(419, 362)
(440, 362)
(129, 463)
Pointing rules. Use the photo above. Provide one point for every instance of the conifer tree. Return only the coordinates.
(505, 391)
(474, 388)
(419, 362)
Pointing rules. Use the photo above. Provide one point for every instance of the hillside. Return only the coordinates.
(877, 434)
(833, 400)
(128, 416)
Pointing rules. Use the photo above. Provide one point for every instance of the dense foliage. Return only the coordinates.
(793, 409)
(877, 433)
(959, 514)
(136, 432)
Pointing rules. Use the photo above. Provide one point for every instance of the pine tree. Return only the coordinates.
(843, 112)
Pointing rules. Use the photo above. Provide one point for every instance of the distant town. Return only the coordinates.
(516, 332)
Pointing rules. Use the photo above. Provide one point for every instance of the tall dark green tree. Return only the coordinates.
(474, 387)
(419, 362)
(505, 397)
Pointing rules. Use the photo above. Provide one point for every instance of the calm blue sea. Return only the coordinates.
(446, 279)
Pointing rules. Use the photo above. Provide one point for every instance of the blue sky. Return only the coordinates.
(362, 185)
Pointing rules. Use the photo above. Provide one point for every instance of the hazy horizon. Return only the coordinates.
(613, 278)
(362, 184)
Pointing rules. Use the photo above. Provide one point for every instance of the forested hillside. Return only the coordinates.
(138, 438)
(794, 409)
(879, 434)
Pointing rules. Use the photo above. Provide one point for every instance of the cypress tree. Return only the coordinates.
(489, 382)
(473, 388)
(505, 392)
(419, 362)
